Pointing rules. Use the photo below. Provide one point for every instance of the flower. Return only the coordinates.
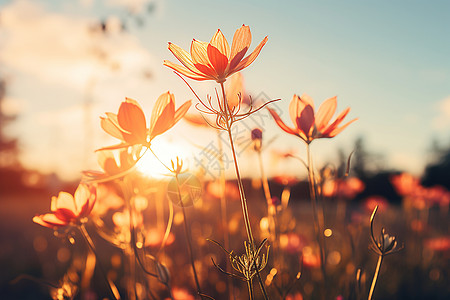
(129, 125)
(215, 60)
(112, 166)
(310, 125)
(67, 209)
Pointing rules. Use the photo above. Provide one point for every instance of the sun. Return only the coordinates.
(155, 167)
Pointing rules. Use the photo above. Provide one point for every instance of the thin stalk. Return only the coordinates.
(238, 175)
(90, 243)
(188, 237)
(250, 289)
(267, 195)
(313, 196)
(224, 213)
(132, 246)
(229, 123)
(375, 276)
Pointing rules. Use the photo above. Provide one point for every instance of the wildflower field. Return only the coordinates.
(148, 222)
(121, 234)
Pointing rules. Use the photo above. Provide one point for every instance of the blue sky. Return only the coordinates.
(387, 60)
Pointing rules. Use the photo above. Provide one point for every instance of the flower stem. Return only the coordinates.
(375, 276)
(238, 175)
(229, 123)
(188, 237)
(267, 195)
(317, 225)
(224, 213)
(115, 293)
(250, 289)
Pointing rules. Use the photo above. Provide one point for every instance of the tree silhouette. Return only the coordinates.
(438, 172)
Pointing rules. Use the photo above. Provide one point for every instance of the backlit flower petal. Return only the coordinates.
(49, 220)
(64, 200)
(183, 56)
(199, 54)
(65, 215)
(241, 42)
(85, 197)
(307, 100)
(325, 113)
(306, 121)
(219, 53)
(220, 43)
(336, 122)
(280, 123)
(162, 115)
(110, 125)
(186, 72)
(132, 119)
(181, 111)
(249, 59)
(296, 107)
(219, 62)
(338, 130)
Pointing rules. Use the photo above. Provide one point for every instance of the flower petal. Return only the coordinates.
(307, 100)
(219, 42)
(336, 131)
(218, 60)
(64, 200)
(111, 126)
(49, 220)
(65, 215)
(241, 42)
(181, 111)
(306, 121)
(335, 124)
(249, 59)
(280, 122)
(183, 56)
(132, 119)
(296, 106)
(162, 114)
(185, 71)
(199, 54)
(325, 113)
(84, 198)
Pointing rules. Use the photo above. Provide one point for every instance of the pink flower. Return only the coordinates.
(69, 210)
(310, 125)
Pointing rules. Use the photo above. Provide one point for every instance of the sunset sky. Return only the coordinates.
(387, 60)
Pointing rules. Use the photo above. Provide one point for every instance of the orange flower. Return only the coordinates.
(310, 125)
(113, 166)
(215, 60)
(67, 209)
(129, 125)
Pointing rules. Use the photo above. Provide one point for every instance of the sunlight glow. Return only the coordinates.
(166, 151)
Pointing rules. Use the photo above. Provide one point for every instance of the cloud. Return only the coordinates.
(66, 50)
(442, 120)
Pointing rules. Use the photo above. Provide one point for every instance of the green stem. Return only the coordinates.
(375, 277)
(188, 237)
